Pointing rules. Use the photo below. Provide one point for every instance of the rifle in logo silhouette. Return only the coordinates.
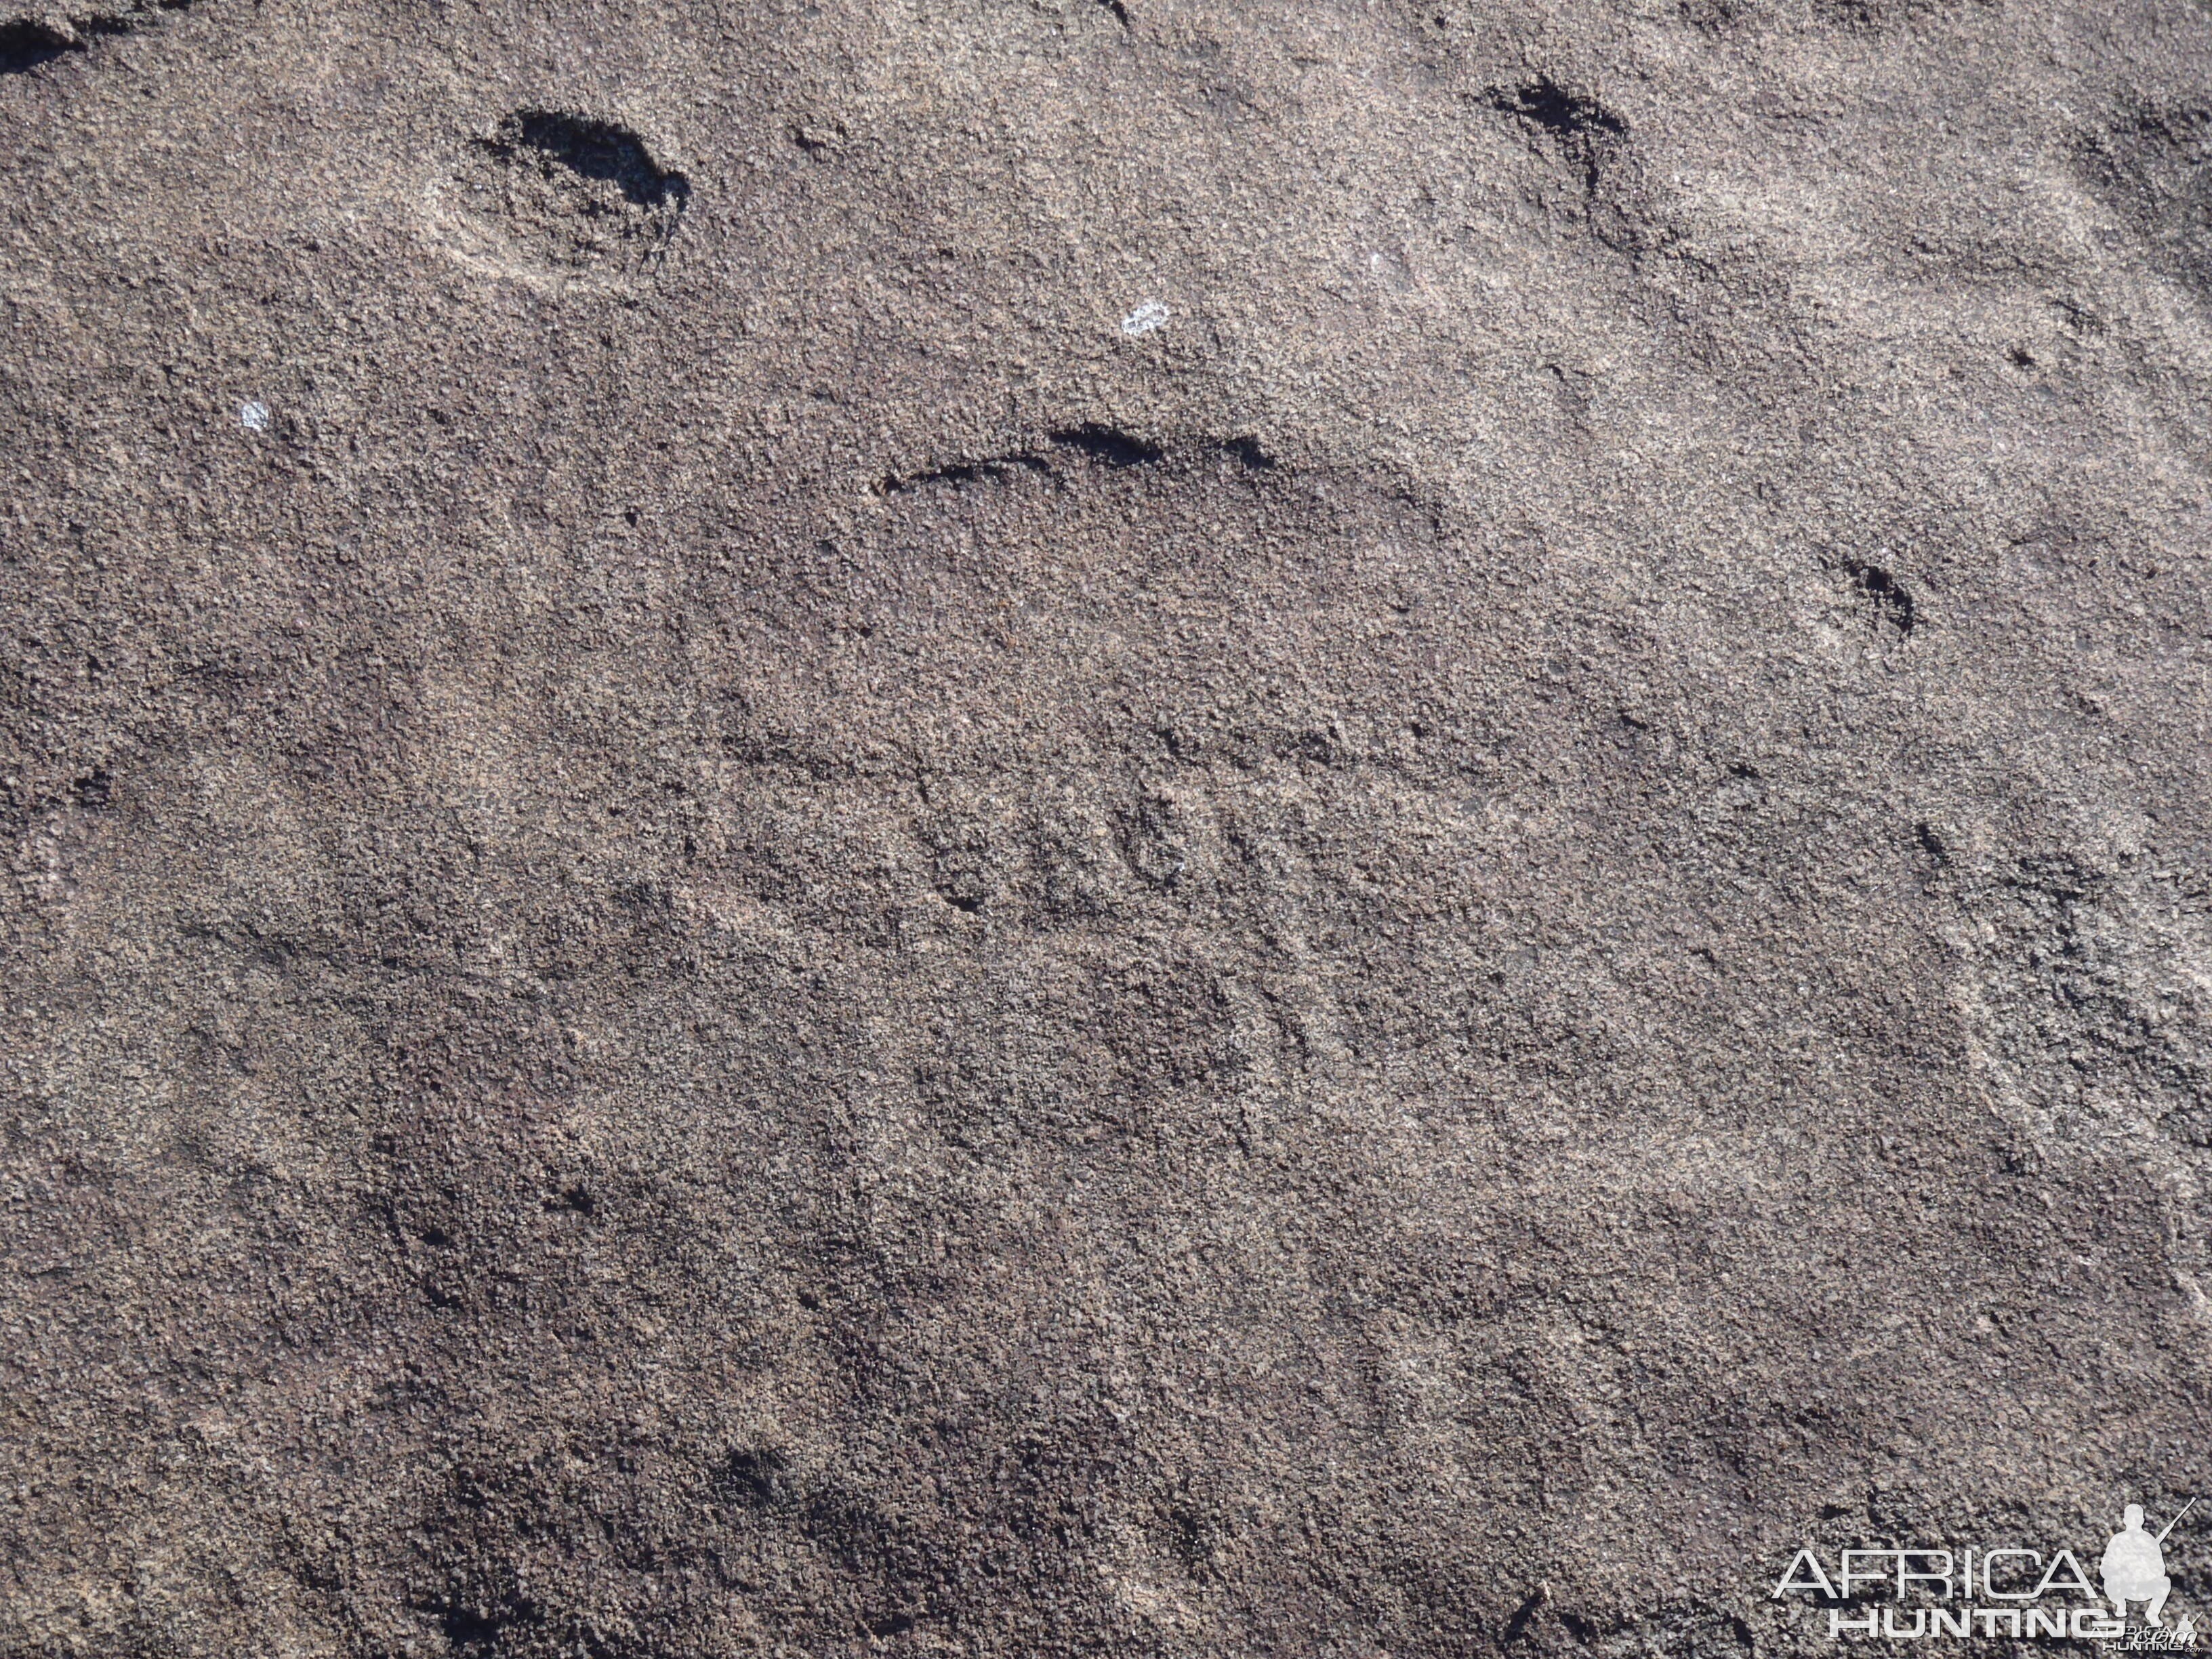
(2134, 1565)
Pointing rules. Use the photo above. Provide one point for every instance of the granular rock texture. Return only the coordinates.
(1021, 827)
(573, 192)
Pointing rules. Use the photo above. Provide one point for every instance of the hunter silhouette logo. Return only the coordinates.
(2019, 1594)
(2134, 1564)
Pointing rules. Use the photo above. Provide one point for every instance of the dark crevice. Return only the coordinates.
(467, 1631)
(1891, 605)
(484, 1631)
(818, 139)
(758, 1478)
(579, 192)
(1110, 445)
(991, 469)
(1121, 12)
(27, 42)
(1883, 15)
(1584, 131)
(1517, 1626)
(591, 149)
(1093, 441)
(1565, 115)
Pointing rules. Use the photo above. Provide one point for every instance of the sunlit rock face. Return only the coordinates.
(1012, 829)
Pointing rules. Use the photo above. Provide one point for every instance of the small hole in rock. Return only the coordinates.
(1891, 605)
(757, 1476)
(591, 149)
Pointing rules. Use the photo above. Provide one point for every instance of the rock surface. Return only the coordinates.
(1028, 827)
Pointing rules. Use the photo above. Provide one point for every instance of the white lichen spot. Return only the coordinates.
(1145, 319)
(253, 417)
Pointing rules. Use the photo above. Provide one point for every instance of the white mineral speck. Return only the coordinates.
(1145, 319)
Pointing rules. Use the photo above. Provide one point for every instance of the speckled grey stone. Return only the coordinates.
(1032, 828)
